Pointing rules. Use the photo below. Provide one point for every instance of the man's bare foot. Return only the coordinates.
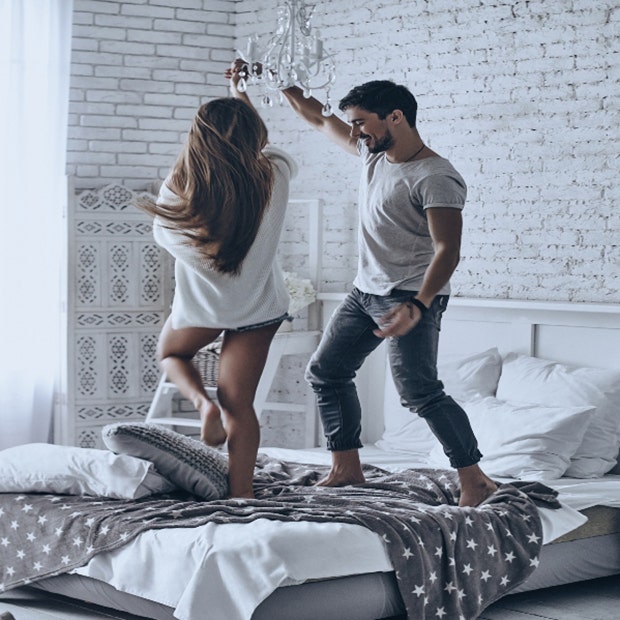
(341, 479)
(476, 486)
(213, 432)
(475, 496)
(346, 469)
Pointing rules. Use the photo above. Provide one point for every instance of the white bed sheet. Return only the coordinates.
(245, 563)
(579, 493)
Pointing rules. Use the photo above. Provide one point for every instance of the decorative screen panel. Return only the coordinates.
(119, 292)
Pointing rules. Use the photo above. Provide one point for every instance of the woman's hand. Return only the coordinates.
(237, 70)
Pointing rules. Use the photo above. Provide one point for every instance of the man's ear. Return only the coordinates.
(396, 116)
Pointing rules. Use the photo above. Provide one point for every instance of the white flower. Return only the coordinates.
(301, 291)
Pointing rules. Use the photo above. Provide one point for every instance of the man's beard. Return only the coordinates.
(381, 144)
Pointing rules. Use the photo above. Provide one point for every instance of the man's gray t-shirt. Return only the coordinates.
(395, 245)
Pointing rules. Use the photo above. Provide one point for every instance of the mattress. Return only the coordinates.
(369, 596)
(362, 597)
(582, 542)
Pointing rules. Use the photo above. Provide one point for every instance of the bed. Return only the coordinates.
(541, 383)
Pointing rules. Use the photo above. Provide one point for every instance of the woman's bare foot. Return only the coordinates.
(476, 486)
(243, 495)
(213, 432)
(346, 469)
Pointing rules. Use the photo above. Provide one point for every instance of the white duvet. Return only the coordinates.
(226, 571)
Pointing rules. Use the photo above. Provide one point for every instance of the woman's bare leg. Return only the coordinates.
(242, 361)
(176, 349)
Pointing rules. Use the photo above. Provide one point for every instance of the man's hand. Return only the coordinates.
(398, 321)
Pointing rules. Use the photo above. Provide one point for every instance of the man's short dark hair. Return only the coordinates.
(382, 97)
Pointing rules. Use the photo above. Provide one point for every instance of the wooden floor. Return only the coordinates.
(598, 599)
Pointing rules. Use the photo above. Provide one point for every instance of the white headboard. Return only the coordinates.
(573, 333)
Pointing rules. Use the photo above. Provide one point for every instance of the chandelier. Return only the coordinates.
(293, 56)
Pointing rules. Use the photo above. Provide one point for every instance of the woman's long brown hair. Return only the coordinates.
(223, 182)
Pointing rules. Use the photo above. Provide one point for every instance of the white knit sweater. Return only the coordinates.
(206, 298)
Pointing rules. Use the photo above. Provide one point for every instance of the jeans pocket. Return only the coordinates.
(439, 306)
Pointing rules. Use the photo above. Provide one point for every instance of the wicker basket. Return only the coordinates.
(207, 361)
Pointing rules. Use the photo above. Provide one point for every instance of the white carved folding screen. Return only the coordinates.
(118, 294)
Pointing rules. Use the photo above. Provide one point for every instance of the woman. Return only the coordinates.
(220, 213)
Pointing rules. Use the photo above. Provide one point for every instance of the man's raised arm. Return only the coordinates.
(310, 110)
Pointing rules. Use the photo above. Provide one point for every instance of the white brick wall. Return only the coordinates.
(139, 71)
(522, 96)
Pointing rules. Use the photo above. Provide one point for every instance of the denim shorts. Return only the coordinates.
(347, 341)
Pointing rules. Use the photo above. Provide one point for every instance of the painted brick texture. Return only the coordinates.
(139, 72)
(521, 96)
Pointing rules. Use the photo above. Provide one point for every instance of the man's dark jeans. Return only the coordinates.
(348, 339)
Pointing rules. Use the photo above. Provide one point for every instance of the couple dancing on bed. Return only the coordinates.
(220, 212)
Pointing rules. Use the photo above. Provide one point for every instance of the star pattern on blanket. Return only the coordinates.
(504, 532)
(449, 562)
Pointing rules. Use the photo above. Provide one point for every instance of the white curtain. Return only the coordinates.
(35, 48)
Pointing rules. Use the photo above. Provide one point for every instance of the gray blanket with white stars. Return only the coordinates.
(449, 562)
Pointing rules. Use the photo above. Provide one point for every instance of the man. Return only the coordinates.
(410, 204)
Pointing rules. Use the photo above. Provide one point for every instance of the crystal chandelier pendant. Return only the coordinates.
(293, 56)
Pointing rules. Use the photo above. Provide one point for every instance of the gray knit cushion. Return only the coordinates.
(186, 462)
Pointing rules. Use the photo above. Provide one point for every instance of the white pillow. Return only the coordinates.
(475, 375)
(533, 380)
(523, 441)
(68, 470)
(463, 378)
